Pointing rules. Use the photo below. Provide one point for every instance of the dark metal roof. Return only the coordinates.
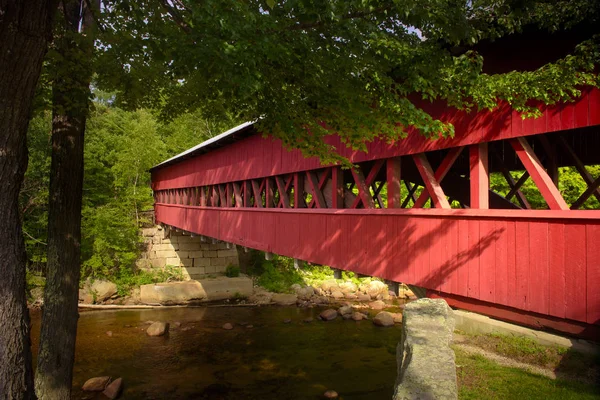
(241, 131)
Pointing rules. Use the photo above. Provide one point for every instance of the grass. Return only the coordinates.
(128, 279)
(480, 378)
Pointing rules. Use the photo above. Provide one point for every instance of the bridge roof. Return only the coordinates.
(220, 140)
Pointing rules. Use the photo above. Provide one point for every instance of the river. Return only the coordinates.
(263, 357)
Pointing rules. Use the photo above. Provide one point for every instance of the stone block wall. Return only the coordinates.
(197, 257)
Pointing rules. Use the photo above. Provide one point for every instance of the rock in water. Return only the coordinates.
(357, 316)
(384, 318)
(345, 310)
(328, 315)
(377, 305)
(103, 290)
(330, 394)
(426, 364)
(284, 299)
(113, 390)
(157, 329)
(96, 384)
(228, 326)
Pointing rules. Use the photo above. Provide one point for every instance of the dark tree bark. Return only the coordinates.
(70, 103)
(25, 30)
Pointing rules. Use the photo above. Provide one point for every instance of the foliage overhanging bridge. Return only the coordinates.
(479, 249)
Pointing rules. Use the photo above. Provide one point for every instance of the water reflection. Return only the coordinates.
(261, 358)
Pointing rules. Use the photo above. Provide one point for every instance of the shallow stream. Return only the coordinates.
(261, 358)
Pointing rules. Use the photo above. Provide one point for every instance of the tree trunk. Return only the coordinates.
(25, 28)
(70, 103)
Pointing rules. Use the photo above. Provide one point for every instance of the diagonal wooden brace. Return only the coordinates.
(539, 175)
(431, 183)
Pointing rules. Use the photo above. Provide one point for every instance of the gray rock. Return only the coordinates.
(363, 297)
(345, 310)
(426, 363)
(103, 290)
(329, 285)
(157, 329)
(96, 384)
(328, 315)
(113, 390)
(210, 289)
(357, 316)
(384, 319)
(347, 316)
(377, 305)
(336, 294)
(330, 394)
(348, 287)
(284, 299)
(305, 293)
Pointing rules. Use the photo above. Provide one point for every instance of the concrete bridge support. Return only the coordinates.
(197, 256)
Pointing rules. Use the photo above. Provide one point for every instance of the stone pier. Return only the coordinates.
(180, 249)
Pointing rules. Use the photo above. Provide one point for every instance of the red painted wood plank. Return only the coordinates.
(501, 262)
(575, 272)
(436, 273)
(463, 258)
(594, 106)
(555, 115)
(593, 273)
(487, 260)
(556, 269)
(581, 111)
(473, 258)
(522, 260)
(450, 256)
(538, 252)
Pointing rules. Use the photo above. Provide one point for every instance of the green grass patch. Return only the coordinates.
(480, 378)
(127, 279)
(277, 275)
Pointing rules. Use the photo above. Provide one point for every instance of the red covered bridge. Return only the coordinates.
(478, 249)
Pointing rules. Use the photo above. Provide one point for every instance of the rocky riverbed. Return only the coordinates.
(266, 353)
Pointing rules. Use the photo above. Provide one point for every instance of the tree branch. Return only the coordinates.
(174, 12)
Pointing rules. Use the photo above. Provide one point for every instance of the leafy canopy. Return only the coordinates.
(307, 68)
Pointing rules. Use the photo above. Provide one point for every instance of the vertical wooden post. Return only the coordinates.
(479, 177)
(228, 194)
(247, 193)
(337, 187)
(202, 196)
(299, 191)
(393, 174)
(269, 193)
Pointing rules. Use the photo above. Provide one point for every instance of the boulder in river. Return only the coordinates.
(228, 326)
(103, 290)
(343, 310)
(330, 394)
(284, 299)
(96, 384)
(377, 305)
(358, 316)
(113, 390)
(384, 319)
(157, 329)
(328, 315)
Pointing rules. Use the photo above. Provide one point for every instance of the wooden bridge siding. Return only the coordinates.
(544, 265)
(255, 156)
